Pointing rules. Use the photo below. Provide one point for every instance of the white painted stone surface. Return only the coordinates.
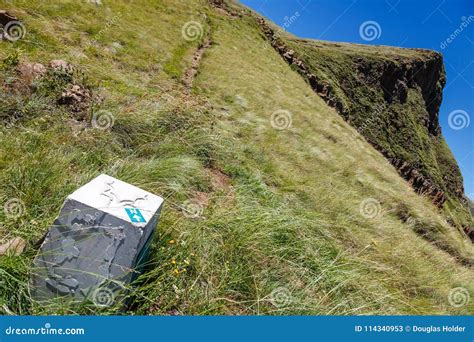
(113, 196)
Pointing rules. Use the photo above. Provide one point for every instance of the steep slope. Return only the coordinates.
(274, 204)
(392, 97)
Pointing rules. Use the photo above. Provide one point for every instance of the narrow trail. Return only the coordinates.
(191, 72)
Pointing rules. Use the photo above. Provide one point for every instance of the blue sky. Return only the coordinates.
(406, 23)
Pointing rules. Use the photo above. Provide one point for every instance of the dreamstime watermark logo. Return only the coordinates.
(465, 22)
(46, 330)
(102, 120)
(192, 30)
(108, 24)
(241, 101)
(411, 221)
(370, 30)
(281, 119)
(288, 21)
(11, 123)
(192, 209)
(94, 2)
(372, 119)
(370, 208)
(458, 119)
(14, 208)
(281, 297)
(13, 31)
(103, 297)
(458, 296)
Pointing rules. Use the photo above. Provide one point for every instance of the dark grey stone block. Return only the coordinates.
(95, 245)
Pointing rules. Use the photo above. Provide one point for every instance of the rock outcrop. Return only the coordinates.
(397, 76)
(222, 6)
(469, 232)
(78, 99)
(423, 185)
(64, 80)
(11, 27)
(6, 18)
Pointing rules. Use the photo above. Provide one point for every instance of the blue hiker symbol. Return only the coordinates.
(135, 215)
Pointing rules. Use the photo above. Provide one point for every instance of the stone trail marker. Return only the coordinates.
(97, 243)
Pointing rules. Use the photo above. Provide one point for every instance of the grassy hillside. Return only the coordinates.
(273, 203)
(392, 97)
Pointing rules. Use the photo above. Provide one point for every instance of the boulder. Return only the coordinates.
(78, 99)
(14, 246)
(28, 73)
(60, 65)
(6, 17)
(31, 70)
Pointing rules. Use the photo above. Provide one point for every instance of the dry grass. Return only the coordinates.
(281, 230)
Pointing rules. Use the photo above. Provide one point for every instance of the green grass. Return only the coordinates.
(281, 231)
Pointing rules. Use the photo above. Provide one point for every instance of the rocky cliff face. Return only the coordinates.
(396, 77)
(393, 100)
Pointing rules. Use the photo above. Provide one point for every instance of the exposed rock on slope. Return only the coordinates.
(8, 25)
(419, 182)
(6, 18)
